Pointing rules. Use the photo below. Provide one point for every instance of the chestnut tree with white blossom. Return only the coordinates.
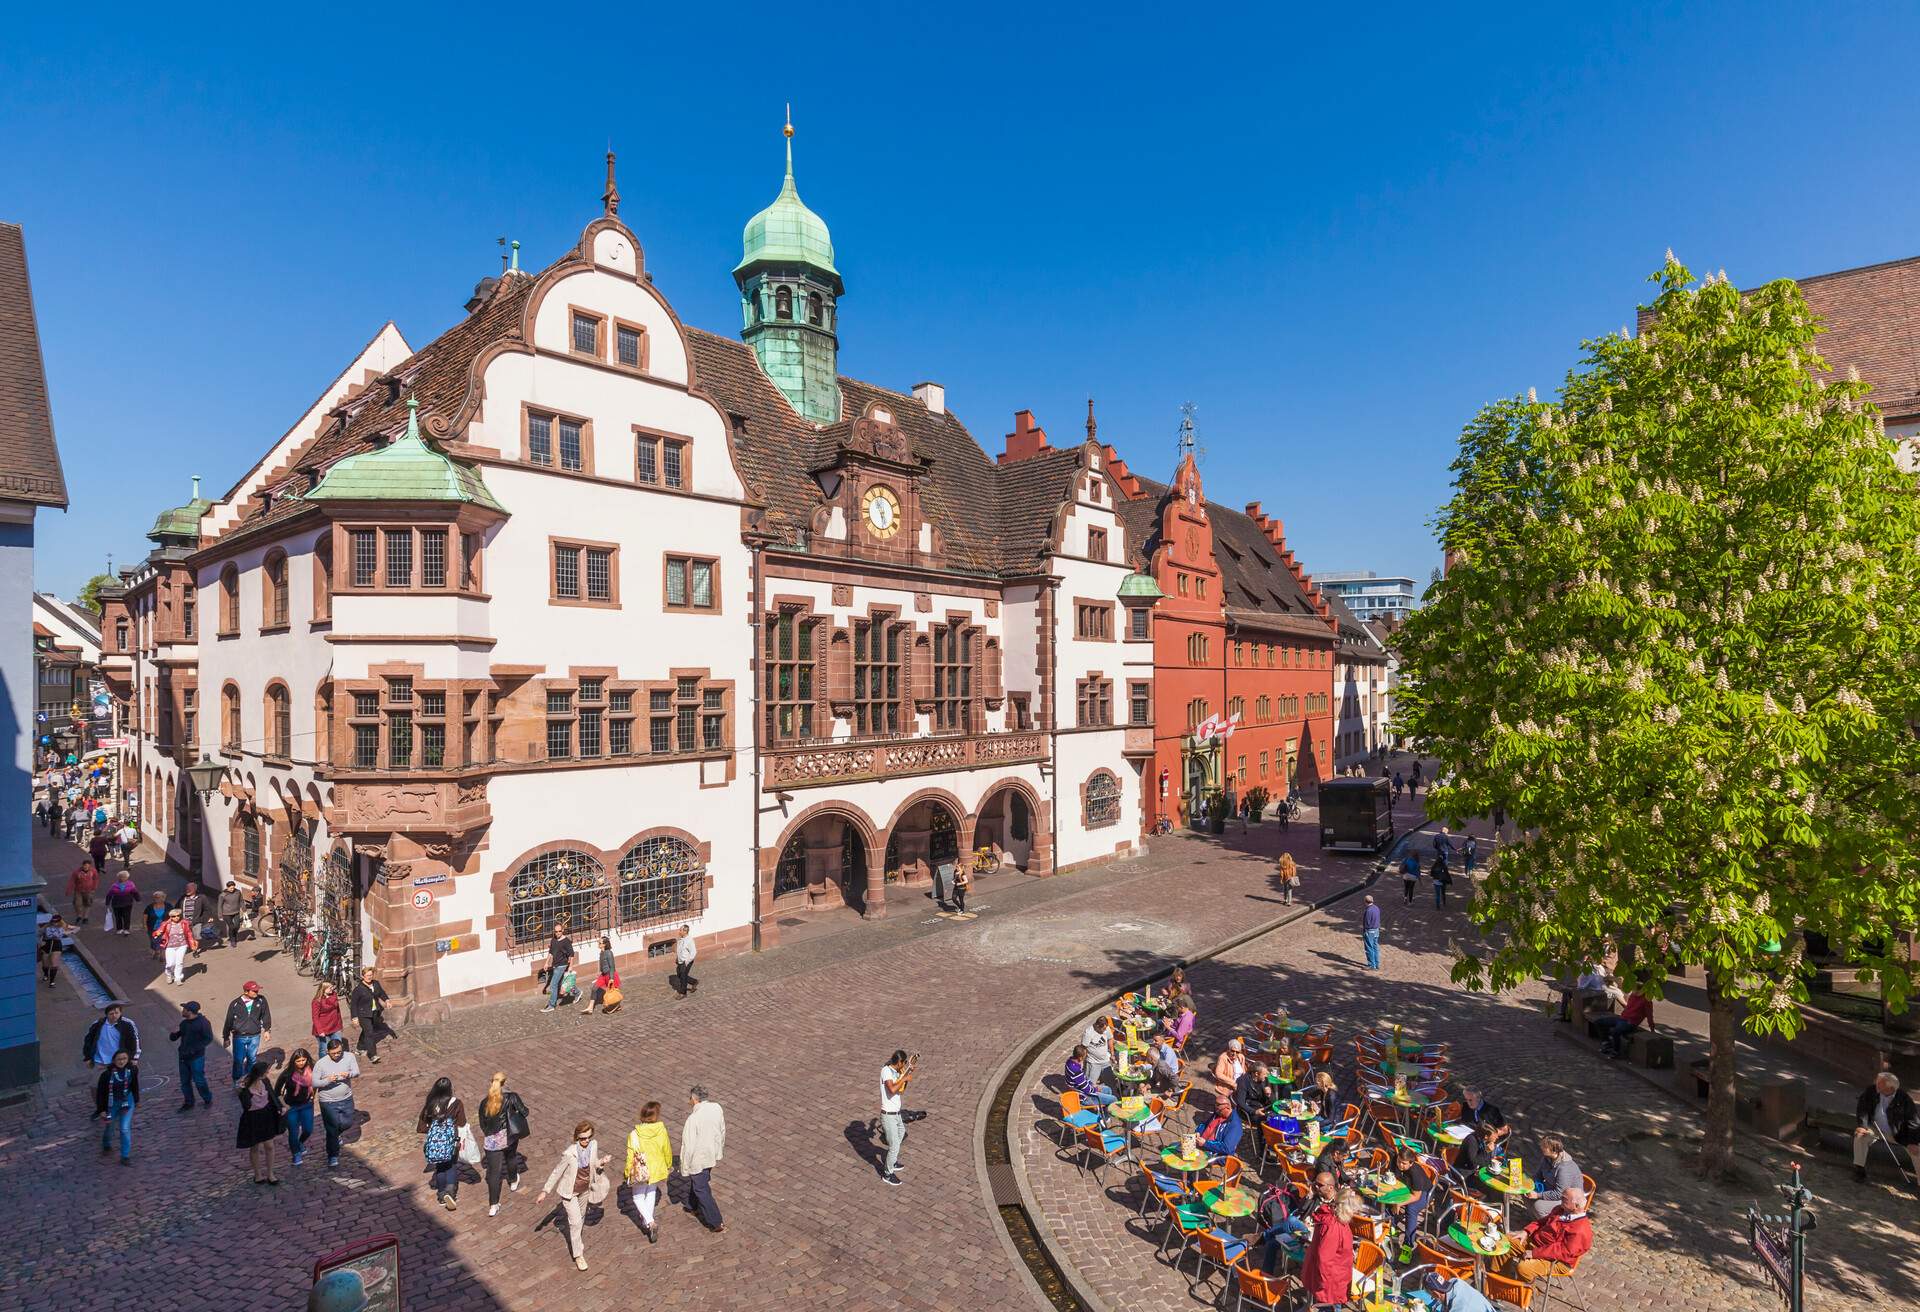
(1678, 642)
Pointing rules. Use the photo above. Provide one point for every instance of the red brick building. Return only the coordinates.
(1241, 633)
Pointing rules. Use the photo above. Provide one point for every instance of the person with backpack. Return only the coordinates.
(260, 1120)
(114, 1097)
(442, 1117)
(503, 1124)
(1277, 1221)
(1442, 880)
(128, 838)
(1287, 871)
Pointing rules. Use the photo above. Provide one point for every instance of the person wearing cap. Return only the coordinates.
(249, 1025)
(175, 937)
(1370, 932)
(1453, 1294)
(194, 1036)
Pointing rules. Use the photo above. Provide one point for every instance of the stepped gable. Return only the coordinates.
(439, 375)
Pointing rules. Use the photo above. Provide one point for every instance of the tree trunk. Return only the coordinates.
(1716, 1154)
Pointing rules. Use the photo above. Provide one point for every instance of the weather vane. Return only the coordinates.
(1186, 444)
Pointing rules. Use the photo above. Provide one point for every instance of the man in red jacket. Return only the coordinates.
(1551, 1245)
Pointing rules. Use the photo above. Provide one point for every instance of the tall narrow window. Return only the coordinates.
(570, 444)
(713, 719)
(789, 666)
(876, 677)
(366, 556)
(953, 678)
(1097, 543)
(399, 557)
(399, 740)
(566, 573)
(599, 574)
(1140, 703)
(646, 459)
(586, 334)
(230, 600)
(323, 576)
(274, 576)
(230, 718)
(279, 722)
(559, 724)
(686, 708)
(540, 439)
(433, 558)
(660, 721)
(673, 463)
(189, 612)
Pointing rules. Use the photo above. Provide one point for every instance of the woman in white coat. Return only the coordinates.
(580, 1179)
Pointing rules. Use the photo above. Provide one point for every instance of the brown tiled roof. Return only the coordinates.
(991, 518)
(438, 375)
(29, 460)
(1872, 321)
(1872, 317)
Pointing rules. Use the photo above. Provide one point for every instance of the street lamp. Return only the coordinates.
(205, 777)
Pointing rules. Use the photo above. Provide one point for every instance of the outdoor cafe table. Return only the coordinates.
(1279, 1081)
(1190, 1165)
(1461, 1241)
(1134, 1074)
(1508, 1191)
(1372, 1186)
(1131, 1045)
(1230, 1201)
(1412, 1098)
(1289, 1026)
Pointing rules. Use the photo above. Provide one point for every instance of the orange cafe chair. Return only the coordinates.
(1517, 1293)
(1369, 1264)
(1252, 1286)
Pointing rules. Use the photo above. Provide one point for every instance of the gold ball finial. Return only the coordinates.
(788, 130)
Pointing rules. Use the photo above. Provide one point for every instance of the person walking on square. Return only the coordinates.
(1409, 875)
(368, 1003)
(607, 976)
(559, 957)
(333, 1077)
(441, 1119)
(196, 908)
(112, 1033)
(97, 849)
(1370, 932)
(175, 938)
(503, 1123)
(327, 1024)
(151, 915)
(295, 1090)
(962, 880)
(122, 893)
(1287, 871)
(231, 907)
(703, 1141)
(115, 1096)
(128, 838)
(81, 886)
(580, 1179)
(683, 956)
(260, 1120)
(895, 1076)
(249, 1025)
(194, 1036)
(649, 1163)
(1469, 853)
(52, 948)
(1442, 880)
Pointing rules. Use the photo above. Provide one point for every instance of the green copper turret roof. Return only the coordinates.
(181, 521)
(1140, 585)
(787, 232)
(406, 469)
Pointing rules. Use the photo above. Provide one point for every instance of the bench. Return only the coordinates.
(1776, 1108)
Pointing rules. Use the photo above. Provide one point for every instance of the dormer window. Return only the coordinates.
(783, 303)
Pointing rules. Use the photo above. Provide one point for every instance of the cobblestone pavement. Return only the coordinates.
(1662, 1238)
(790, 1042)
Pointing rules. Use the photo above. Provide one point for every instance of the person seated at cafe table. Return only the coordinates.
(1477, 1153)
(1420, 1180)
(1636, 1011)
(1281, 1212)
(1475, 1110)
(1165, 1061)
(1081, 1081)
(1220, 1137)
(1250, 1094)
(1323, 1098)
(1181, 1026)
(1340, 1159)
(1556, 1174)
(1452, 1294)
(1552, 1244)
(1230, 1065)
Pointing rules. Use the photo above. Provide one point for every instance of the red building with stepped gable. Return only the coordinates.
(1242, 632)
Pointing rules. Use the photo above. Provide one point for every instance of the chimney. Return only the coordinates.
(1026, 440)
(932, 396)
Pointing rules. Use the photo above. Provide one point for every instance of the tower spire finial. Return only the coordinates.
(788, 130)
(1091, 428)
(611, 197)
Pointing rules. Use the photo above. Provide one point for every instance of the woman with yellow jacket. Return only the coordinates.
(649, 1162)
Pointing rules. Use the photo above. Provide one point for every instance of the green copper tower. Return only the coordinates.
(789, 300)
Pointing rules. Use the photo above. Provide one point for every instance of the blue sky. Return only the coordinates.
(1336, 232)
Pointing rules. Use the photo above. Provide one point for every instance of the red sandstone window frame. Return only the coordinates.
(682, 564)
(582, 555)
(1093, 703)
(1096, 544)
(654, 452)
(578, 315)
(881, 713)
(639, 364)
(230, 601)
(1092, 620)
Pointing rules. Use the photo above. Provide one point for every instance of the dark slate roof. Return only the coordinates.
(1355, 637)
(29, 460)
(992, 518)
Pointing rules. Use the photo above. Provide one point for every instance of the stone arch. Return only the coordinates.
(992, 822)
(871, 899)
(502, 889)
(963, 822)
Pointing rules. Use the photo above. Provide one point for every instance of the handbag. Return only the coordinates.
(517, 1117)
(610, 999)
(470, 1147)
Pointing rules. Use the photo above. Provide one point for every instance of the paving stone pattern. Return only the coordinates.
(790, 1042)
(1662, 1237)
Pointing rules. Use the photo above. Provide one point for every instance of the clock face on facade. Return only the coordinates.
(881, 509)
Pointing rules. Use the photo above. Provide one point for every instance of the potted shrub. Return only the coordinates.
(1257, 799)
